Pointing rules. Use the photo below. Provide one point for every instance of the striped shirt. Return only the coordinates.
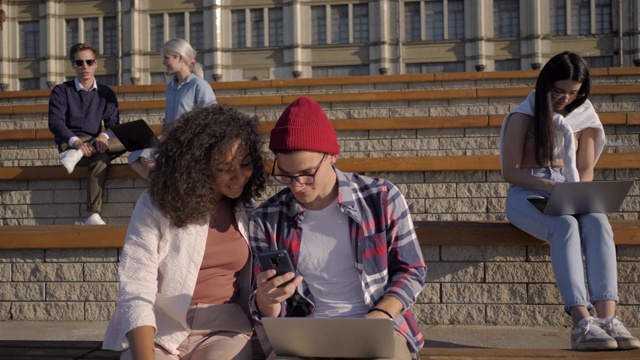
(387, 253)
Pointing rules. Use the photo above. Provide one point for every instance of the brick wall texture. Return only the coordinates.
(510, 285)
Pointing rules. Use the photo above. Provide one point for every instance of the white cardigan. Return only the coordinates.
(582, 117)
(159, 266)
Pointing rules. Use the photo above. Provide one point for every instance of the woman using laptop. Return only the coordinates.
(555, 135)
(186, 91)
(185, 268)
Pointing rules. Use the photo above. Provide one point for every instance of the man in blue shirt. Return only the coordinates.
(77, 110)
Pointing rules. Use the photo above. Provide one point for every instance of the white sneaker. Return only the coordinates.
(588, 335)
(94, 219)
(616, 330)
(70, 158)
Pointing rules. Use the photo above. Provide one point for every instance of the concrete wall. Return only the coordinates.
(467, 285)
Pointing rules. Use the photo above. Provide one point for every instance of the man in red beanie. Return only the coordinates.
(350, 237)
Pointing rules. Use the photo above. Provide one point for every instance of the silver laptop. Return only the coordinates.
(335, 338)
(584, 197)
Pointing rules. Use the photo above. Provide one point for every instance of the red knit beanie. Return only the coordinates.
(304, 126)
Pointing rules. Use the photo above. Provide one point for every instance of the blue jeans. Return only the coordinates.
(570, 238)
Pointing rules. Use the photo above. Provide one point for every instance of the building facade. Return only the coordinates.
(274, 39)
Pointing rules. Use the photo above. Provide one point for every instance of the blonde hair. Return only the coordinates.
(184, 49)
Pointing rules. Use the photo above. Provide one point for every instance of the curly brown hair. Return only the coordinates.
(183, 180)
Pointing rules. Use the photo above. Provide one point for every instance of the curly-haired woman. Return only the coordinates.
(185, 268)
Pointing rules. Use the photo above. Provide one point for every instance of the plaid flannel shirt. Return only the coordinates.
(388, 257)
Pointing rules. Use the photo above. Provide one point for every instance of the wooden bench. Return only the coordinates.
(342, 81)
(345, 97)
(92, 350)
(33, 349)
(360, 165)
(364, 124)
(430, 233)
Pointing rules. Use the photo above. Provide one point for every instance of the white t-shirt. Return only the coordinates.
(327, 262)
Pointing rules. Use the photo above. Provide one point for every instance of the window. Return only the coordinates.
(456, 19)
(558, 16)
(110, 35)
(425, 20)
(345, 24)
(110, 80)
(506, 18)
(603, 16)
(580, 17)
(238, 29)
(435, 67)
(176, 26)
(360, 23)
(276, 27)
(159, 78)
(599, 61)
(506, 65)
(156, 32)
(72, 32)
(196, 30)
(579, 11)
(29, 39)
(340, 24)
(434, 20)
(92, 32)
(318, 25)
(257, 27)
(345, 70)
(30, 84)
(412, 21)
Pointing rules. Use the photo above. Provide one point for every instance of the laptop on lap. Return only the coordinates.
(135, 135)
(335, 338)
(577, 198)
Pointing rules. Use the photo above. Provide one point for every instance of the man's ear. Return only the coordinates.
(333, 158)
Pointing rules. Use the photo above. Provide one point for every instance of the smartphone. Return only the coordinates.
(278, 260)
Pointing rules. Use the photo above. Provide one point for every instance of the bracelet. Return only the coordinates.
(382, 311)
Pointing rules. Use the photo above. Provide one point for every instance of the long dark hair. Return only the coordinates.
(564, 66)
(183, 181)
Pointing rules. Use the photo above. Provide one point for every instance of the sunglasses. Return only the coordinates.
(79, 63)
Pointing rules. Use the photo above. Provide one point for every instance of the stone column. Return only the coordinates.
(217, 35)
(52, 44)
(478, 15)
(8, 47)
(135, 37)
(534, 17)
(297, 33)
(383, 21)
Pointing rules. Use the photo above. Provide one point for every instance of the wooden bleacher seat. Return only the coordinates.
(91, 350)
(360, 165)
(430, 233)
(521, 354)
(404, 123)
(344, 97)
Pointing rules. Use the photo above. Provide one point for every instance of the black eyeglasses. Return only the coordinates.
(559, 94)
(301, 179)
(79, 63)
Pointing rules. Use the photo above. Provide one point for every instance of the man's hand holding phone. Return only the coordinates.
(276, 283)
